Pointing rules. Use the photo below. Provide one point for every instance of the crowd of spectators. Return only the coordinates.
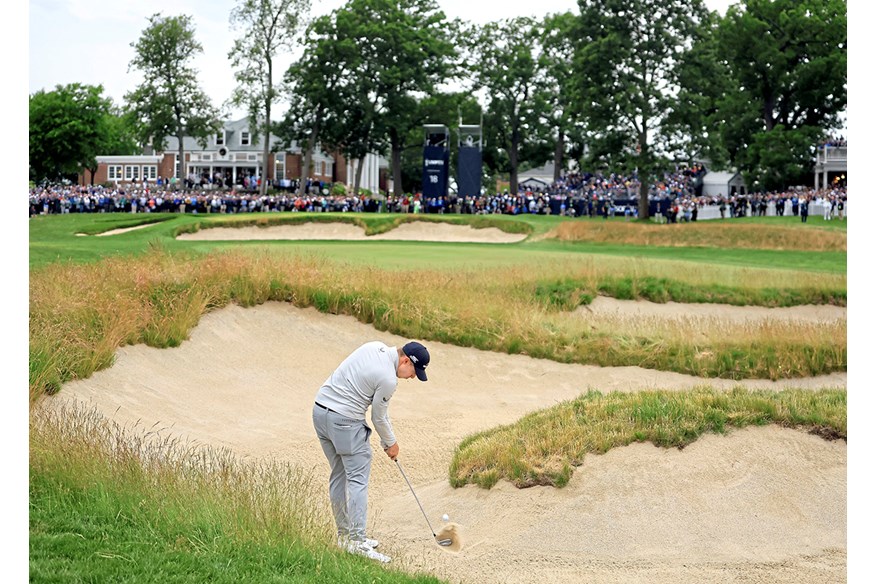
(835, 142)
(99, 199)
(673, 198)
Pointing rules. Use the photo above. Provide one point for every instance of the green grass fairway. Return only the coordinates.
(54, 238)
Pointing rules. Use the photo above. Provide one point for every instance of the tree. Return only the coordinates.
(504, 65)
(555, 62)
(117, 137)
(697, 117)
(169, 100)
(314, 86)
(413, 56)
(365, 65)
(268, 27)
(627, 70)
(788, 62)
(352, 122)
(330, 92)
(69, 127)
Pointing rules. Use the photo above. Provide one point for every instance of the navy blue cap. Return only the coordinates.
(419, 356)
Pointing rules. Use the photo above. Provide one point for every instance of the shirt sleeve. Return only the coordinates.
(380, 412)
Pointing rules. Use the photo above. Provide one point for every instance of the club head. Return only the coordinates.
(444, 542)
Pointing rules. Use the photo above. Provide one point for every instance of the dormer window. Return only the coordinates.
(220, 138)
(244, 138)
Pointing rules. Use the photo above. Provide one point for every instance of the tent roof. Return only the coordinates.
(719, 177)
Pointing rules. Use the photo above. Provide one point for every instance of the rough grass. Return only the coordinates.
(544, 447)
(703, 234)
(112, 504)
(80, 314)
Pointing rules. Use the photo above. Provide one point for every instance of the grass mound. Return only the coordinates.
(544, 447)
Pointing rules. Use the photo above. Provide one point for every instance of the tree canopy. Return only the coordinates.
(268, 28)
(628, 68)
(169, 100)
(505, 66)
(787, 60)
(72, 125)
(627, 86)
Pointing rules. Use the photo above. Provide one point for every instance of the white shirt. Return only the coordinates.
(367, 377)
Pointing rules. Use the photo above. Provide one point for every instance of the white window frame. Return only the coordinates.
(114, 172)
(279, 169)
(248, 140)
(132, 172)
(220, 138)
(150, 172)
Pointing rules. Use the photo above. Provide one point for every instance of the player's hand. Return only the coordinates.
(392, 451)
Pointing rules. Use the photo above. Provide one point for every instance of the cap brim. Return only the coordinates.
(421, 374)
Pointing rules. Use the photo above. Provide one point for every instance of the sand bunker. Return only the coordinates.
(118, 231)
(759, 505)
(411, 231)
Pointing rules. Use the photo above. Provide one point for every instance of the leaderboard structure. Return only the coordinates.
(436, 162)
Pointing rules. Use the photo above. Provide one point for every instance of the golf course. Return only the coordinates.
(608, 401)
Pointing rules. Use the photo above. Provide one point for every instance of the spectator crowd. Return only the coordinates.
(672, 199)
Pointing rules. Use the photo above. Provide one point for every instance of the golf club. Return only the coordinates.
(442, 542)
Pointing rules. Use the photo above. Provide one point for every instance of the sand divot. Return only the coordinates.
(450, 531)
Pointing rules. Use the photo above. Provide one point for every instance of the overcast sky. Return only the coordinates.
(89, 41)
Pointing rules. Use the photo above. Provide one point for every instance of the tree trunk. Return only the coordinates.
(512, 156)
(643, 173)
(266, 151)
(558, 155)
(768, 120)
(180, 179)
(643, 198)
(308, 160)
(396, 164)
(305, 169)
(396, 170)
(359, 165)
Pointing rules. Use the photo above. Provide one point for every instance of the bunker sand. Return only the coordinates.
(760, 504)
(411, 231)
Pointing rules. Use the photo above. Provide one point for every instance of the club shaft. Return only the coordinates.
(415, 497)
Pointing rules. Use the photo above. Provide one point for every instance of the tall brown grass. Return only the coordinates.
(80, 314)
(264, 500)
(745, 236)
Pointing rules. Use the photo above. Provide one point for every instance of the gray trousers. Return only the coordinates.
(345, 444)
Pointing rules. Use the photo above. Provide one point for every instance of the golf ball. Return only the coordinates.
(445, 517)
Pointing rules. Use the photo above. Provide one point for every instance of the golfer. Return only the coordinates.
(368, 377)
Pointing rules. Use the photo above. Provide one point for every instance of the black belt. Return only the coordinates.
(319, 405)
